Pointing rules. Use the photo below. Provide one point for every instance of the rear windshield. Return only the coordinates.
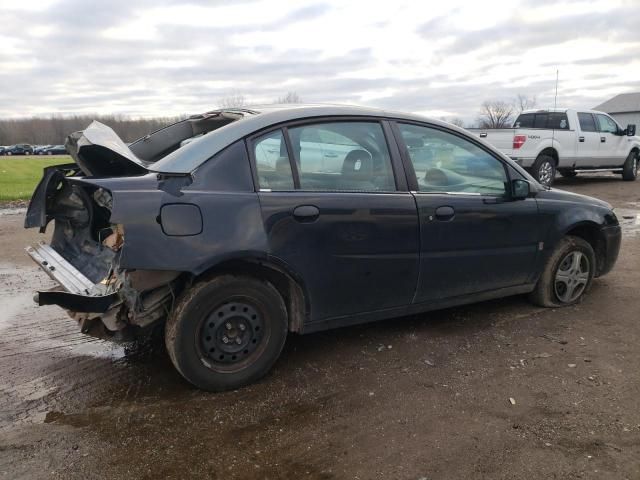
(553, 120)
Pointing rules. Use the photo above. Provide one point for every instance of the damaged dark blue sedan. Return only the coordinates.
(233, 228)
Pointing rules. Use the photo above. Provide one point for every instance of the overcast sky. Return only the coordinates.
(164, 57)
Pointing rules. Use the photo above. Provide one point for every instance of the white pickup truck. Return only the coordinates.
(567, 141)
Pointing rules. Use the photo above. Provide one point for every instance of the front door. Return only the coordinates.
(339, 221)
(613, 146)
(474, 238)
(588, 141)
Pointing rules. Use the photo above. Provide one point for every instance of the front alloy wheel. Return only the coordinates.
(572, 276)
(567, 274)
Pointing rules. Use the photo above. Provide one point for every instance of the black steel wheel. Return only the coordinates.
(226, 332)
(231, 334)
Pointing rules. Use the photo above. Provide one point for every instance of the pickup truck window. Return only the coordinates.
(540, 120)
(605, 124)
(524, 121)
(587, 123)
(558, 121)
(444, 162)
(554, 120)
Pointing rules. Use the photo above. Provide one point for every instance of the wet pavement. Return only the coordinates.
(426, 396)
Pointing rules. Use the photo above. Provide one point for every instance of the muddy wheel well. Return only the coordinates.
(591, 234)
(550, 152)
(290, 290)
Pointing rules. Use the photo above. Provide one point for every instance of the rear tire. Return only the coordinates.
(630, 168)
(226, 332)
(567, 274)
(544, 170)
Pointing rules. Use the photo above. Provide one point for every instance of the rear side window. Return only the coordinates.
(605, 124)
(558, 121)
(540, 120)
(272, 162)
(587, 124)
(342, 156)
(524, 121)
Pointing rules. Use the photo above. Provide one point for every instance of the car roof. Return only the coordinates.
(259, 117)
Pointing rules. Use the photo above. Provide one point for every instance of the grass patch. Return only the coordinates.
(20, 175)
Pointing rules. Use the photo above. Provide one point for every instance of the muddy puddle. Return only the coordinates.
(48, 365)
(629, 220)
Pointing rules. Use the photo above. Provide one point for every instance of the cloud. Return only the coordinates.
(165, 57)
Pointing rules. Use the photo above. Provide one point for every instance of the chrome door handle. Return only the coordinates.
(603, 139)
(581, 139)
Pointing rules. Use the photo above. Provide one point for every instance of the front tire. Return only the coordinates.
(567, 274)
(630, 168)
(226, 332)
(544, 170)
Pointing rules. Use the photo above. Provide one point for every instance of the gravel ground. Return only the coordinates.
(495, 390)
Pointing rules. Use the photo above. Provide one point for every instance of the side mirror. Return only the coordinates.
(631, 130)
(520, 189)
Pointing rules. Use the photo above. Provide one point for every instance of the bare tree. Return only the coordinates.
(457, 121)
(495, 114)
(234, 100)
(524, 102)
(290, 97)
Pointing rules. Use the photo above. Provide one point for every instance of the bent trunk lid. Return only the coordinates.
(99, 151)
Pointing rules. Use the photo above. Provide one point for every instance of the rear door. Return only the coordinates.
(588, 141)
(345, 222)
(473, 237)
(613, 145)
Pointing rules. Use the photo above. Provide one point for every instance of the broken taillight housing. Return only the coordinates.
(518, 141)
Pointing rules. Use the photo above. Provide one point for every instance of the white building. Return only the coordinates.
(625, 108)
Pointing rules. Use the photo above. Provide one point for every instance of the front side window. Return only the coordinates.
(272, 162)
(606, 124)
(342, 156)
(445, 162)
(587, 123)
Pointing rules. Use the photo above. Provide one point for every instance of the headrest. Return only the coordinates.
(357, 163)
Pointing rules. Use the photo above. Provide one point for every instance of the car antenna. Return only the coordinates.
(555, 105)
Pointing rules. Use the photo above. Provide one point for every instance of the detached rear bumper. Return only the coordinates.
(81, 295)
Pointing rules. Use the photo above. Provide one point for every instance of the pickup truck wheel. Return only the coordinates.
(544, 170)
(630, 168)
(568, 173)
(567, 274)
(226, 332)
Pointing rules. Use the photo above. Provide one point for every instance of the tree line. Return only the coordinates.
(54, 129)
